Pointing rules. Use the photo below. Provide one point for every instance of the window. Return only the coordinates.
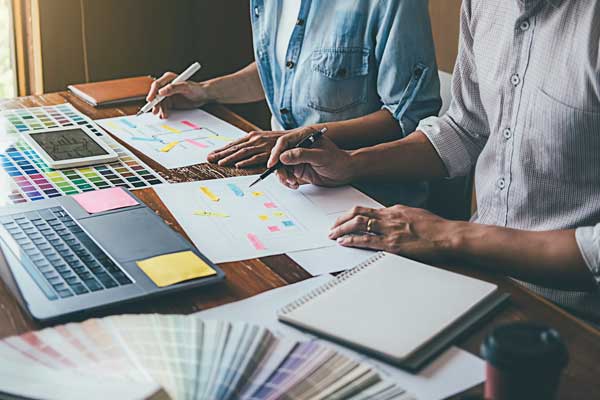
(7, 72)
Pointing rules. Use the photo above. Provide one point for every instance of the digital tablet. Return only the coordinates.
(68, 147)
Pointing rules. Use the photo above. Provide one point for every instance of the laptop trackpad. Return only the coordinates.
(133, 234)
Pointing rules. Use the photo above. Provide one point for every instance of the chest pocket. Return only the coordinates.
(338, 79)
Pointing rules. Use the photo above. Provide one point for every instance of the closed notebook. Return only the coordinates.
(113, 92)
(399, 310)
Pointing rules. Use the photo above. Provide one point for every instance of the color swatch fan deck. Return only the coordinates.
(30, 179)
(196, 359)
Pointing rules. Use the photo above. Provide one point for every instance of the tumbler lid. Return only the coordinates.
(525, 345)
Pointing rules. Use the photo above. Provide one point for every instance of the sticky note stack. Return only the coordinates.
(196, 359)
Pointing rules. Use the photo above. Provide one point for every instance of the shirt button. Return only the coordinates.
(300, 22)
(284, 111)
(256, 12)
(290, 64)
(507, 133)
(515, 79)
(524, 25)
(501, 183)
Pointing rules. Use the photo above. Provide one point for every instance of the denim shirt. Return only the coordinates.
(347, 59)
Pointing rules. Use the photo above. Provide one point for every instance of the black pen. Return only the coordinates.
(305, 143)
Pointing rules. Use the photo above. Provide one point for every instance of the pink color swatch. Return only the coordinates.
(256, 242)
(274, 228)
(105, 200)
(270, 205)
(195, 143)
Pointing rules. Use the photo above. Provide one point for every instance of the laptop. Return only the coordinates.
(59, 260)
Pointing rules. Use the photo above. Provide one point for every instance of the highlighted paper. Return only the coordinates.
(270, 204)
(168, 147)
(146, 139)
(197, 144)
(209, 194)
(288, 223)
(235, 189)
(256, 242)
(190, 124)
(127, 123)
(263, 217)
(175, 268)
(279, 214)
(273, 228)
(203, 213)
(257, 194)
(104, 200)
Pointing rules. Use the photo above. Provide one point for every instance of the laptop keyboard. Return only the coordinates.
(67, 258)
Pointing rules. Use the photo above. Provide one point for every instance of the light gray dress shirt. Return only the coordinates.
(526, 113)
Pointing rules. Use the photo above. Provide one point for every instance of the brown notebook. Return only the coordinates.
(113, 92)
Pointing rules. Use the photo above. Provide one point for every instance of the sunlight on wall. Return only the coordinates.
(7, 75)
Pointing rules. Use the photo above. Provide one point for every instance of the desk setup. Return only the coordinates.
(144, 263)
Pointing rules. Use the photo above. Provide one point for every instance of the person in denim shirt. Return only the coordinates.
(364, 68)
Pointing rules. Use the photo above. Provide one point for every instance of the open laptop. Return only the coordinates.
(60, 260)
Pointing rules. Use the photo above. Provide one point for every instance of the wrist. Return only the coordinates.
(210, 90)
(458, 237)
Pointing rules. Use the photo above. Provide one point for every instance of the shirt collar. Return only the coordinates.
(554, 3)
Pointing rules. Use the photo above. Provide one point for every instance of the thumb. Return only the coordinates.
(182, 88)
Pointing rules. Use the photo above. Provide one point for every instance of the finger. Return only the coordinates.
(373, 242)
(259, 159)
(165, 105)
(287, 178)
(364, 211)
(297, 156)
(159, 83)
(242, 153)
(357, 224)
(282, 144)
(226, 150)
(183, 88)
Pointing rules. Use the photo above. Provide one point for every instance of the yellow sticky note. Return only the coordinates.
(168, 147)
(203, 213)
(171, 129)
(263, 217)
(208, 193)
(175, 268)
(279, 214)
(257, 194)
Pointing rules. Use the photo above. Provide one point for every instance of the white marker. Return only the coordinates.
(187, 74)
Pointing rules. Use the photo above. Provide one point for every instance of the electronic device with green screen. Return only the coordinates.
(69, 147)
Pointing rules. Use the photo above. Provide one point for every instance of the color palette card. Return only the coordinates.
(191, 358)
(184, 139)
(228, 221)
(28, 178)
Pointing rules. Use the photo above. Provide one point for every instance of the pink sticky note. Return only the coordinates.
(191, 124)
(274, 228)
(104, 200)
(197, 144)
(256, 242)
(270, 205)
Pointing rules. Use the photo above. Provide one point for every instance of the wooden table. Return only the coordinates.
(247, 278)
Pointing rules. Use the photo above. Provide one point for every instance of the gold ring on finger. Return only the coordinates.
(370, 223)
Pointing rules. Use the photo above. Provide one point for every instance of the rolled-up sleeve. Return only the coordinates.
(588, 240)
(460, 135)
(407, 78)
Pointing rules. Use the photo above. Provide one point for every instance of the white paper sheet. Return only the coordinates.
(195, 133)
(452, 372)
(237, 223)
(329, 259)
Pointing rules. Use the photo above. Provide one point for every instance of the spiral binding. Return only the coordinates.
(331, 284)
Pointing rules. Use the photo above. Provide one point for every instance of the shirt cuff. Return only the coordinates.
(588, 240)
(448, 144)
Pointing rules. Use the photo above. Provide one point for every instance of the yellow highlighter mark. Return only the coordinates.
(263, 217)
(168, 147)
(221, 138)
(203, 213)
(174, 268)
(257, 194)
(279, 214)
(208, 193)
(171, 129)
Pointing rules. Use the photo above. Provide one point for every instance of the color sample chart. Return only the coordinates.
(30, 179)
(193, 358)
(184, 139)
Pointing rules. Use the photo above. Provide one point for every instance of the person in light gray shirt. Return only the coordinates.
(526, 115)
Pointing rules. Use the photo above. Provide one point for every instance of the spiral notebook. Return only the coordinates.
(396, 309)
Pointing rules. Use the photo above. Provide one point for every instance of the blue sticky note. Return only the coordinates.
(288, 223)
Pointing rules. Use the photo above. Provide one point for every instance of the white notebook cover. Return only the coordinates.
(389, 304)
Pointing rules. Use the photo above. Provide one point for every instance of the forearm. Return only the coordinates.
(371, 129)
(550, 259)
(243, 86)
(411, 158)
